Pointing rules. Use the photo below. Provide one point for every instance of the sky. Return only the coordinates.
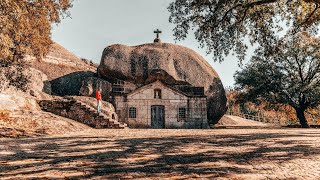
(96, 24)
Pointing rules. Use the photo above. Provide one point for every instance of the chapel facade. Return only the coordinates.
(160, 105)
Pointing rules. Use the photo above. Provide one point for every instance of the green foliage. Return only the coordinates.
(287, 73)
(223, 26)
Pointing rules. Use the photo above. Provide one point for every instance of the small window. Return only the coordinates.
(182, 114)
(157, 93)
(118, 83)
(132, 112)
(117, 89)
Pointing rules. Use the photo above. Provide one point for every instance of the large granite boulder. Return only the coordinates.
(28, 80)
(136, 63)
(11, 98)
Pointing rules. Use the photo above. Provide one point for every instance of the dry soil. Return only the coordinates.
(161, 154)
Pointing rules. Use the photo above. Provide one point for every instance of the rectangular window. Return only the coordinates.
(157, 93)
(117, 89)
(132, 112)
(182, 114)
(118, 83)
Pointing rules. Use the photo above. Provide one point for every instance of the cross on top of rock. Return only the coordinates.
(157, 38)
(157, 32)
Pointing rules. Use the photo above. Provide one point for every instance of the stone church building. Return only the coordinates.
(160, 85)
(160, 105)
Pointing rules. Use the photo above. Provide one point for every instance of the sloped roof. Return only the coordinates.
(166, 85)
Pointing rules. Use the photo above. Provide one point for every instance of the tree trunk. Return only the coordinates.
(302, 118)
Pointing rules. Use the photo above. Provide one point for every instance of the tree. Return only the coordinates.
(25, 26)
(223, 25)
(287, 73)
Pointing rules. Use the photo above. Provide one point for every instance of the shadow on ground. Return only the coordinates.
(186, 156)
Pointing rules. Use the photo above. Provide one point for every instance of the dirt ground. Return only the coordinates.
(161, 154)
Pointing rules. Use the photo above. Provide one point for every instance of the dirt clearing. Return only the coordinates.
(174, 154)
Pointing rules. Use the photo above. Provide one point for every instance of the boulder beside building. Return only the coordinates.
(174, 66)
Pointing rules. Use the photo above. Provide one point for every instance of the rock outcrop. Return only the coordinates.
(12, 98)
(91, 84)
(60, 62)
(136, 63)
(64, 70)
(70, 84)
(61, 56)
(17, 101)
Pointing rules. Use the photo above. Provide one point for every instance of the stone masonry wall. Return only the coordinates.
(171, 100)
(80, 112)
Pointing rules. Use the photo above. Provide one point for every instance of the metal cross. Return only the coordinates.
(157, 32)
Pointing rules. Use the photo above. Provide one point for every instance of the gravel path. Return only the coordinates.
(174, 154)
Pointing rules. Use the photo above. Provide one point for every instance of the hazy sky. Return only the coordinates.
(96, 24)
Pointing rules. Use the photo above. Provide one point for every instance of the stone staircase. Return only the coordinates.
(82, 112)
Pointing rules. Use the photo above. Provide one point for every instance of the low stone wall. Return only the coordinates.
(80, 112)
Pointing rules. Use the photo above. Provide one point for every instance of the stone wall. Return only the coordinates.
(81, 112)
(197, 114)
(143, 99)
(119, 86)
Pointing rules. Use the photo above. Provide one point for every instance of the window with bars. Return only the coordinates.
(132, 112)
(182, 114)
(118, 83)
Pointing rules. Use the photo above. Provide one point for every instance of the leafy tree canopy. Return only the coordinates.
(286, 73)
(223, 25)
(25, 26)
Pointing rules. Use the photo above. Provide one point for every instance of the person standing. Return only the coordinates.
(98, 97)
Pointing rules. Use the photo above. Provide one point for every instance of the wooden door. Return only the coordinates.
(157, 117)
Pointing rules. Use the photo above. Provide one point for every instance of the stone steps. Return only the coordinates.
(93, 111)
(80, 111)
(103, 117)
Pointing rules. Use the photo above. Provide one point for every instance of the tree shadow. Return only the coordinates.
(194, 156)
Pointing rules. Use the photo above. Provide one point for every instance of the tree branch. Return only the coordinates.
(310, 15)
